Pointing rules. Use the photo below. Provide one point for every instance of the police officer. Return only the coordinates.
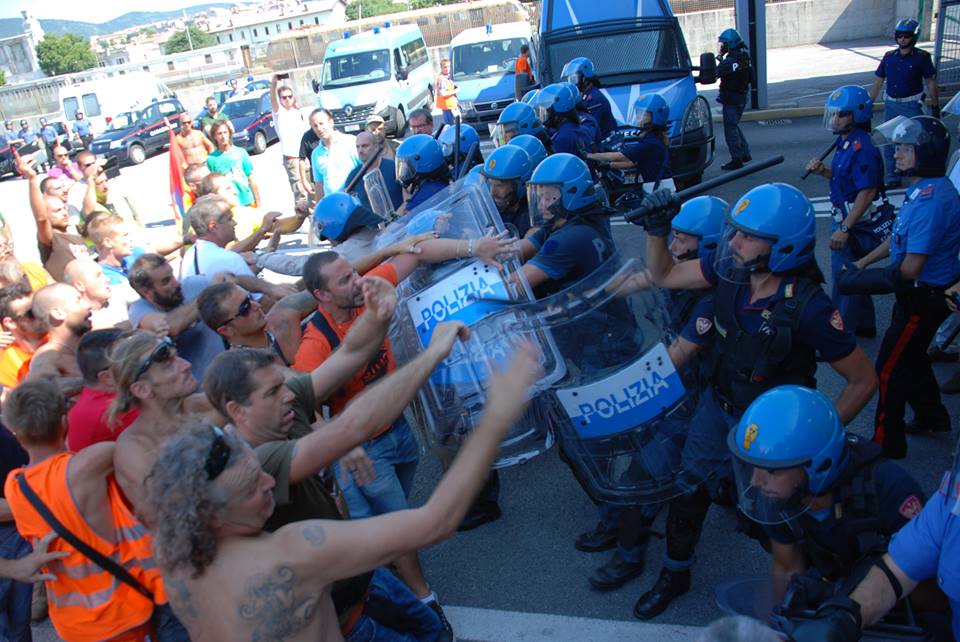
(905, 69)
(647, 153)
(532, 145)
(734, 73)
(821, 496)
(340, 215)
(10, 136)
(520, 118)
(507, 171)
(771, 319)
(580, 72)
(81, 129)
(468, 137)
(421, 170)
(556, 108)
(696, 229)
(49, 135)
(856, 179)
(923, 252)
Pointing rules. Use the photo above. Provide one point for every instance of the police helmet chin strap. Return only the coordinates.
(686, 256)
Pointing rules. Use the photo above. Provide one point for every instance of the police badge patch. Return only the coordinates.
(911, 507)
(703, 325)
(836, 321)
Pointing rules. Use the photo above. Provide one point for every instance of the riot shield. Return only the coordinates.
(377, 194)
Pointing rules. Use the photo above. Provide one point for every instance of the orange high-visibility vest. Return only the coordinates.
(87, 603)
(445, 86)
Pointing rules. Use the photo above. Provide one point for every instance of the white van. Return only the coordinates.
(103, 98)
(385, 71)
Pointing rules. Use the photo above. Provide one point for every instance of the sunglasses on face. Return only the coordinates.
(245, 306)
(219, 454)
(165, 351)
(285, 96)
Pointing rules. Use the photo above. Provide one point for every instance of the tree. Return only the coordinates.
(368, 8)
(3, 77)
(64, 54)
(179, 42)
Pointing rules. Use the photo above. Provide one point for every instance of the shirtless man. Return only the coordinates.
(67, 316)
(228, 580)
(195, 146)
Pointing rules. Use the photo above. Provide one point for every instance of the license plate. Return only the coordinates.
(351, 128)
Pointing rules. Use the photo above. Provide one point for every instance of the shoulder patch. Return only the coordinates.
(911, 507)
(925, 193)
(857, 145)
(836, 320)
(703, 325)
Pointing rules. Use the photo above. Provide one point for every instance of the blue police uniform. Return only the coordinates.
(650, 156)
(591, 127)
(929, 546)
(9, 135)
(519, 219)
(904, 76)
(599, 107)
(569, 138)
(928, 224)
(734, 74)
(28, 135)
(569, 253)
(856, 166)
(389, 172)
(425, 191)
(49, 134)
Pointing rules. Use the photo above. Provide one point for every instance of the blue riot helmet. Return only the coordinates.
(778, 215)
(789, 447)
(579, 71)
(560, 187)
(554, 99)
(532, 145)
(339, 215)
(730, 39)
(702, 217)
(655, 106)
(432, 220)
(850, 101)
(907, 27)
(418, 157)
(928, 137)
(507, 171)
(474, 177)
(447, 140)
(516, 119)
(529, 96)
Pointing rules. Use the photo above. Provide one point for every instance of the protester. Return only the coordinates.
(88, 278)
(290, 125)
(66, 315)
(16, 314)
(234, 162)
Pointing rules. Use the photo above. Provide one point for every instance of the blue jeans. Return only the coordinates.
(448, 116)
(394, 454)
(736, 143)
(394, 614)
(15, 597)
(633, 548)
(856, 309)
(892, 110)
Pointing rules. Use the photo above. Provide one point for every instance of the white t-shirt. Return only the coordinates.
(210, 258)
(290, 127)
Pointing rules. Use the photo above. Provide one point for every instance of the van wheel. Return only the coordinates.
(259, 143)
(137, 154)
(401, 123)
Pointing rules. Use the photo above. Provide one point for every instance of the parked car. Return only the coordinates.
(252, 118)
(135, 134)
(223, 94)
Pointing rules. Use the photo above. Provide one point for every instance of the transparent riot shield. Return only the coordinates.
(452, 401)
(620, 410)
(377, 194)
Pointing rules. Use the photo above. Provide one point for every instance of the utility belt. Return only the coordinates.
(873, 213)
(906, 99)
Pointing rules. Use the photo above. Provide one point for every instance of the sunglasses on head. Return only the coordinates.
(164, 351)
(245, 306)
(219, 454)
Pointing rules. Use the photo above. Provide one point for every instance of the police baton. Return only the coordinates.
(474, 149)
(363, 170)
(830, 149)
(456, 146)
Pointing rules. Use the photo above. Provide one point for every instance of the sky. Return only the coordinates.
(95, 11)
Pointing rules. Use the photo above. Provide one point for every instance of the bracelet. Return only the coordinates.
(470, 247)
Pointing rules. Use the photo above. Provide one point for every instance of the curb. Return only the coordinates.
(782, 111)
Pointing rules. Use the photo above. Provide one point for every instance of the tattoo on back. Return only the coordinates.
(314, 534)
(180, 597)
(275, 609)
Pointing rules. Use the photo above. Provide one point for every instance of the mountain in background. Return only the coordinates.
(11, 26)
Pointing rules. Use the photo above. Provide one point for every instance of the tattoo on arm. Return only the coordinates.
(274, 606)
(180, 597)
(314, 534)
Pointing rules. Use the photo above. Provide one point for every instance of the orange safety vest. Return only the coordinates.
(87, 603)
(445, 86)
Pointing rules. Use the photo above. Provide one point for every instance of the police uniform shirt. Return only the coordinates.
(650, 156)
(929, 546)
(425, 191)
(898, 500)
(929, 224)
(570, 252)
(821, 326)
(905, 74)
(570, 139)
(81, 127)
(9, 135)
(599, 107)
(592, 131)
(698, 326)
(49, 133)
(28, 136)
(734, 74)
(856, 166)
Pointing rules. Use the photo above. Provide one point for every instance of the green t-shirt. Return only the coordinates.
(314, 497)
(234, 164)
(209, 120)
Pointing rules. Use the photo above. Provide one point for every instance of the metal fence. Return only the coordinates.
(691, 6)
(947, 43)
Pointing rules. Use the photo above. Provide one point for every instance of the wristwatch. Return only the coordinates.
(844, 228)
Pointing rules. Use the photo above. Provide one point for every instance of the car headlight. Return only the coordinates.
(243, 133)
(380, 105)
(465, 105)
(697, 116)
(116, 144)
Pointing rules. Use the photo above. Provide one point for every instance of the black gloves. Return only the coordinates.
(655, 213)
(838, 620)
(873, 281)
(807, 591)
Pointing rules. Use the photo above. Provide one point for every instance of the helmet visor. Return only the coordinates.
(741, 253)
(769, 496)
(641, 118)
(505, 191)
(542, 110)
(406, 170)
(836, 120)
(900, 130)
(530, 96)
(545, 202)
(953, 106)
(503, 133)
(446, 146)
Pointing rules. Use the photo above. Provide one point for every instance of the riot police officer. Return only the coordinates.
(339, 216)
(905, 69)
(532, 145)
(421, 170)
(771, 319)
(468, 138)
(580, 72)
(821, 496)
(734, 74)
(517, 119)
(856, 179)
(648, 153)
(507, 171)
(570, 131)
(923, 252)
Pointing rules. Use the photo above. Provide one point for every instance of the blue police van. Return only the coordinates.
(637, 48)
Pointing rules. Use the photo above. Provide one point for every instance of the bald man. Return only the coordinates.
(367, 145)
(66, 315)
(87, 276)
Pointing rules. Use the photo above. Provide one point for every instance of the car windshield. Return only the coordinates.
(241, 108)
(483, 59)
(356, 69)
(124, 120)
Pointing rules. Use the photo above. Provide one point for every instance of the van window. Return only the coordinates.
(91, 106)
(482, 59)
(70, 108)
(414, 53)
(356, 68)
(656, 52)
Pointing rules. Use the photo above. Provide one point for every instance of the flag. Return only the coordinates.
(179, 191)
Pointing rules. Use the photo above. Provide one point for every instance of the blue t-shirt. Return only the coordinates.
(9, 135)
(425, 191)
(81, 127)
(929, 223)
(821, 326)
(570, 252)
(599, 107)
(28, 135)
(651, 157)
(929, 546)
(856, 166)
(49, 133)
(571, 139)
(905, 74)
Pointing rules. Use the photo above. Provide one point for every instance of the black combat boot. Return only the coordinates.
(670, 584)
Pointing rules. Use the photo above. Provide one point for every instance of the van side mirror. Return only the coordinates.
(402, 73)
(316, 85)
(708, 69)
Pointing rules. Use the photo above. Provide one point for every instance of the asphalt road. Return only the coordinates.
(526, 561)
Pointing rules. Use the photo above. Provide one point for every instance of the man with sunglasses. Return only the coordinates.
(290, 128)
(194, 145)
(17, 318)
(905, 69)
(62, 167)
